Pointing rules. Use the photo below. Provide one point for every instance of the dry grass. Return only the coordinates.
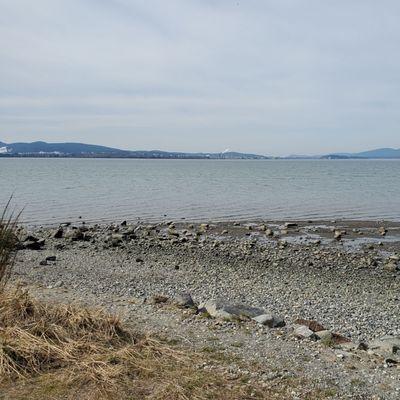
(57, 351)
(8, 226)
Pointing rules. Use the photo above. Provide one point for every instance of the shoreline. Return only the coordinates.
(348, 284)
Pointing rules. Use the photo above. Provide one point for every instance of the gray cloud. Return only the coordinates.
(273, 77)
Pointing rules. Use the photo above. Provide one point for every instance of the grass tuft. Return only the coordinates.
(8, 240)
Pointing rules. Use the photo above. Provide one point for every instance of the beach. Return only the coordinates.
(343, 275)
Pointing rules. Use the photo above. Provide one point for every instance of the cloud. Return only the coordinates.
(274, 77)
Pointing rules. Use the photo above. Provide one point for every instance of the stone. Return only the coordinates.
(159, 298)
(386, 344)
(391, 267)
(51, 258)
(269, 232)
(324, 335)
(382, 231)
(290, 225)
(303, 332)
(58, 284)
(33, 244)
(59, 233)
(310, 324)
(271, 321)
(221, 309)
(184, 300)
(338, 235)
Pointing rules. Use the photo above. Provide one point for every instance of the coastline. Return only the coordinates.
(349, 284)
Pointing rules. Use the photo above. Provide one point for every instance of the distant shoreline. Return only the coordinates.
(119, 157)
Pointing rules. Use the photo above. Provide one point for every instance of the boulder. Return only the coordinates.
(271, 321)
(224, 310)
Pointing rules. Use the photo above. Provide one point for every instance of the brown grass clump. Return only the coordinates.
(8, 240)
(58, 351)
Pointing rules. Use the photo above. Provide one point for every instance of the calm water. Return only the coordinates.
(56, 190)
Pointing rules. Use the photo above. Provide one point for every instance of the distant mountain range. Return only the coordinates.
(378, 153)
(43, 149)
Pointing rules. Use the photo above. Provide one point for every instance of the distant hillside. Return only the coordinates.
(384, 153)
(43, 149)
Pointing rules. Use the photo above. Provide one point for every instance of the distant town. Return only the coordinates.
(82, 150)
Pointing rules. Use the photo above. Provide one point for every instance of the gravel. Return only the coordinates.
(304, 273)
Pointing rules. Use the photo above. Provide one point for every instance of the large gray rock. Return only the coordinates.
(224, 310)
(271, 321)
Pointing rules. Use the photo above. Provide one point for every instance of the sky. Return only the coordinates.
(274, 77)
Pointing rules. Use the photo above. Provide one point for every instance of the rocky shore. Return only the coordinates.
(319, 300)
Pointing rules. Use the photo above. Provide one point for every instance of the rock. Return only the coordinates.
(310, 324)
(75, 235)
(159, 298)
(391, 267)
(43, 262)
(220, 309)
(139, 260)
(33, 244)
(173, 232)
(51, 258)
(386, 344)
(123, 223)
(58, 284)
(59, 233)
(382, 231)
(303, 332)
(269, 232)
(338, 235)
(324, 335)
(289, 225)
(270, 320)
(339, 339)
(184, 300)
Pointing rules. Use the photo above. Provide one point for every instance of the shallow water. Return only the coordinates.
(57, 190)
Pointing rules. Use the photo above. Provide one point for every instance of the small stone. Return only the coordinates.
(382, 231)
(311, 324)
(58, 234)
(184, 300)
(324, 335)
(159, 298)
(303, 332)
(270, 320)
(51, 258)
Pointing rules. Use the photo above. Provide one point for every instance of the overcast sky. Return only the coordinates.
(269, 76)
